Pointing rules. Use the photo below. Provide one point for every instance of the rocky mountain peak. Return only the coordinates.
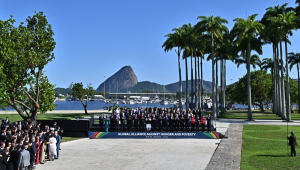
(122, 79)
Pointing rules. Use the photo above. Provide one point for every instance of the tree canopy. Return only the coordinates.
(24, 52)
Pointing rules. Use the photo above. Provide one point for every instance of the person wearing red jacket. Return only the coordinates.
(203, 123)
(193, 121)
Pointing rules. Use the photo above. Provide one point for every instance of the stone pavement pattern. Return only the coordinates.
(91, 154)
(228, 153)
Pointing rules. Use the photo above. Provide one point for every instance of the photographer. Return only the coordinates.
(3, 159)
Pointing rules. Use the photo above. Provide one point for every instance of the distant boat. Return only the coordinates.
(164, 102)
(130, 102)
(138, 102)
(123, 102)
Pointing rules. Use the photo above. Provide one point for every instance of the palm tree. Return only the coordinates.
(242, 59)
(268, 63)
(190, 43)
(247, 29)
(223, 52)
(175, 40)
(285, 23)
(294, 59)
(271, 37)
(215, 28)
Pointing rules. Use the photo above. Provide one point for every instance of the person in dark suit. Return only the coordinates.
(136, 122)
(117, 119)
(198, 124)
(7, 122)
(2, 136)
(187, 122)
(292, 143)
(112, 122)
(172, 121)
(160, 122)
(142, 122)
(182, 121)
(123, 120)
(15, 157)
(177, 122)
(55, 125)
(129, 122)
(101, 118)
(3, 125)
(38, 126)
(32, 152)
(19, 126)
(125, 111)
(166, 122)
(209, 123)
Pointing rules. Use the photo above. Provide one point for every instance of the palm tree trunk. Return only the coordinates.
(186, 85)
(275, 82)
(180, 83)
(224, 91)
(222, 83)
(199, 84)
(288, 102)
(298, 89)
(202, 98)
(196, 81)
(213, 78)
(249, 81)
(278, 83)
(282, 84)
(217, 89)
(192, 82)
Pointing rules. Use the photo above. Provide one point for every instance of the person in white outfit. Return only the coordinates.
(52, 147)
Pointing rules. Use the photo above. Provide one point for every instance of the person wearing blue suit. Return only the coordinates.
(7, 122)
(58, 140)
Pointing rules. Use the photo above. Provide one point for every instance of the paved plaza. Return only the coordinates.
(90, 154)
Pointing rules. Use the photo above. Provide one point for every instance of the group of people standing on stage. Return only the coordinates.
(155, 120)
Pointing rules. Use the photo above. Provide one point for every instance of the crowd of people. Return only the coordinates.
(22, 146)
(155, 120)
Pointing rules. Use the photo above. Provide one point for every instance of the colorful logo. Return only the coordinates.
(212, 135)
(97, 135)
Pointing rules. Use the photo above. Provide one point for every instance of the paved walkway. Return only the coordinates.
(228, 153)
(131, 154)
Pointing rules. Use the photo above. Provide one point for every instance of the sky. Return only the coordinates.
(96, 38)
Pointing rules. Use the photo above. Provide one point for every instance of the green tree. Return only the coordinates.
(294, 59)
(24, 52)
(213, 26)
(247, 30)
(81, 93)
(261, 83)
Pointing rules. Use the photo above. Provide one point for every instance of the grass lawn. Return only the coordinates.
(67, 139)
(257, 114)
(66, 116)
(265, 147)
